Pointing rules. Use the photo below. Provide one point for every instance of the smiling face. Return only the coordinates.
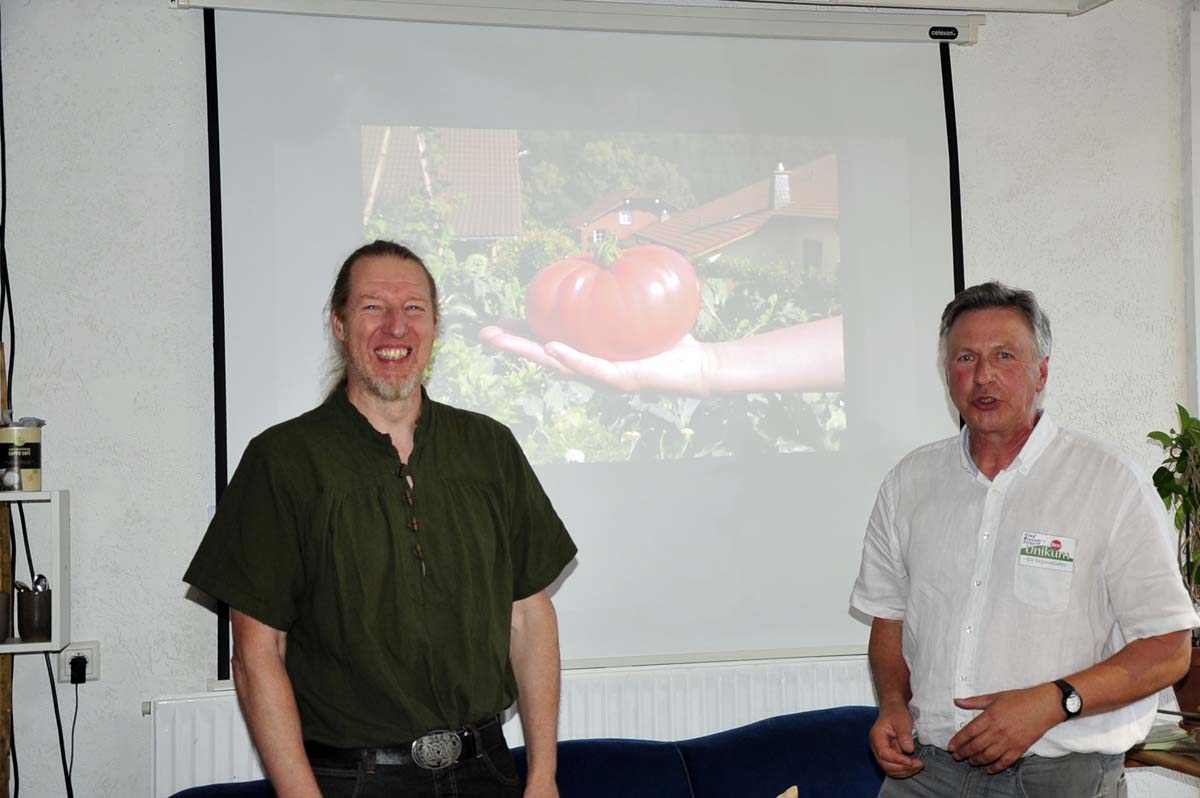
(994, 373)
(387, 327)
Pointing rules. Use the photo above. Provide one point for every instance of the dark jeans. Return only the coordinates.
(489, 774)
(1071, 776)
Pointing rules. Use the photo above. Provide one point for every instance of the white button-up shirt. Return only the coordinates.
(1003, 584)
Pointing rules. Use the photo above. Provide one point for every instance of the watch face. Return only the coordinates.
(1073, 703)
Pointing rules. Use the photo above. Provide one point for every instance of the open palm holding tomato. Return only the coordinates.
(803, 357)
(625, 319)
(687, 367)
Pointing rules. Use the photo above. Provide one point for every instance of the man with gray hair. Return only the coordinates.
(1026, 601)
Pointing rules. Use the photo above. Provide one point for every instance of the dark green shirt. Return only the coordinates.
(316, 536)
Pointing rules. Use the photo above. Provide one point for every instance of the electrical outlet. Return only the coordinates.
(89, 649)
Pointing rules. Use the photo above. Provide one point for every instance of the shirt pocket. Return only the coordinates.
(1042, 588)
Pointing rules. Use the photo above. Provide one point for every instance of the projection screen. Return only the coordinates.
(714, 455)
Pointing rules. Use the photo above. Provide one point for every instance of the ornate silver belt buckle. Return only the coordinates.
(437, 750)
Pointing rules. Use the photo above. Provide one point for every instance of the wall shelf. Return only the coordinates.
(54, 523)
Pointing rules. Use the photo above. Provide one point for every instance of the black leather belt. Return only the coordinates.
(433, 751)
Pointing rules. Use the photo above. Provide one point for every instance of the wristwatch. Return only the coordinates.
(1072, 704)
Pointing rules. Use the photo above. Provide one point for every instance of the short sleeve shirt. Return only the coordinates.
(1002, 584)
(396, 599)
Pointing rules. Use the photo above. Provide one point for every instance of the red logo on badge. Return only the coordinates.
(1056, 544)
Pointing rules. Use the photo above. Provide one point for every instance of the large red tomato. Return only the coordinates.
(640, 305)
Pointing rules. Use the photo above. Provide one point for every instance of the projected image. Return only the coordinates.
(625, 296)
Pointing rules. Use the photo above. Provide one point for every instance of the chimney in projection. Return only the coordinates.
(781, 190)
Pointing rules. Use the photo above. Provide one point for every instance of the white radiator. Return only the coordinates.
(202, 739)
(199, 739)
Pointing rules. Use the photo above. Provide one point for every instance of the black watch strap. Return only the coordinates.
(1072, 703)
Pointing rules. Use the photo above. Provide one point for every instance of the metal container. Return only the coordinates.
(33, 616)
(20, 458)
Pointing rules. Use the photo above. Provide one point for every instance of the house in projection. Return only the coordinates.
(791, 215)
(474, 171)
(618, 215)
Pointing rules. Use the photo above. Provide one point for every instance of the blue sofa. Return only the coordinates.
(824, 752)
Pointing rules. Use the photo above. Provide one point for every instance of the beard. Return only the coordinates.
(387, 390)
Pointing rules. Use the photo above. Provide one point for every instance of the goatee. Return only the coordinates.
(386, 390)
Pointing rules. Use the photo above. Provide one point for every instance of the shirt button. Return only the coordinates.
(978, 582)
(962, 677)
(970, 629)
(986, 535)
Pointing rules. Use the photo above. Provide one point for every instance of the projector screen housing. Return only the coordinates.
(714, 19)
(1067, 7)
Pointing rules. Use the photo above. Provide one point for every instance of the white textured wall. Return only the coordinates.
(108, 246)
(1070, 136)
(1071, 147)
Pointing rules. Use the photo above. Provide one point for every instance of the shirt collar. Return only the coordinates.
(341, 406)
(339, 402)
(426, 422)
(1037, 442)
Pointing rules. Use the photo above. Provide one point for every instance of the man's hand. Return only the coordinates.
(891, 740)
(541, 788)
(1011, 721)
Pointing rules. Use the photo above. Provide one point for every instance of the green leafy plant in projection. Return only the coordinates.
(1178, 483)
(563, 420)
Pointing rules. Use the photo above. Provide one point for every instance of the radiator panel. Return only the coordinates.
(202, 739)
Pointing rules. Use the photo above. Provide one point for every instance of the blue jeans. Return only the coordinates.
(1071, 776)
(489, 774)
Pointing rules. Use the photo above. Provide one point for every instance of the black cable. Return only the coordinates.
(12, 749)
(6, 301)
(74, 718)
(49, 671)
(62, 746)
(5, 286)
(3, 280)
(12, 318)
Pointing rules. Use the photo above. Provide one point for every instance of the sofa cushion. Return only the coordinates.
(824, 751)
(610, 768)
(241, 789)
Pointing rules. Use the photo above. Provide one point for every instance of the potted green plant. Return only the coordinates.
(1178, 483)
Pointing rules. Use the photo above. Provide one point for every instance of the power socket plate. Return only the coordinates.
(89, 649)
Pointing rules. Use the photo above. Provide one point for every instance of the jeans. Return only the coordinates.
(1071, 776)
(489, 774)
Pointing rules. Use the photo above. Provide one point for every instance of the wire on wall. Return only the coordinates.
(6, 309)
(5, 286)
(4, 300)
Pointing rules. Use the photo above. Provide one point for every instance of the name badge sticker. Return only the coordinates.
(1053, 552)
